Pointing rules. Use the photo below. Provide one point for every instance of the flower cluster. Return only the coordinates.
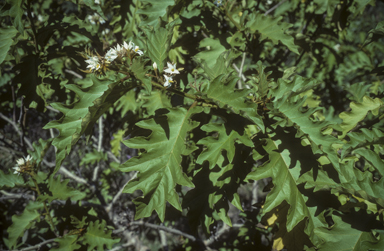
(95, 18)
(171, 70)
(99, 64)
(23, 165)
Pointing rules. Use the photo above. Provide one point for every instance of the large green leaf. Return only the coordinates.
(272, 29)
(158, 44)
(59, 190)
(343, 236)
(221, 91)
(154, 9)
(67, 243)
(10, 179)
(22, 222)
(159, 167)
(80, 116)
(358, 113)
(223, 140)
(6, 36)
(97, 236)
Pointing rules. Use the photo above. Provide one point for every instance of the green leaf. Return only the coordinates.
(116, 142)
(222, 91)
(213, 50)
(24, 221)
(285, 176)
(6, 40)
(297, 115)
(224, 139)
(343, 236)
(159, 166)
(158, 44)
(93, 157)
(80, 116)
(96, 237)
(375, 34)
(40, 149)
(67, 243)
(272, 29)
(59, 190)
(358, 113)
(16, 12)
(153, 10)
(157, 100)
(139, 69)
(10, 179)
(128, 102)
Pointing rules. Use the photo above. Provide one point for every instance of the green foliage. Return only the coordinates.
(159, 166)
(22, 222)
(268, 135)
(97, 237)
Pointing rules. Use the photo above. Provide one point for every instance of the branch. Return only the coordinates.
(274, 7)
(239, 84)
(109, 207)
(36, 247)
(157, 227)
(16, 129)
(66, 172)
(94, 178)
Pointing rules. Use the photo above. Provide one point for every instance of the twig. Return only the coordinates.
(16, 196)
(109, 207)
(157, 227)
(36, 247)
(65, 171)
(16, 129)
(274, 7)
(94, 178)
(238, 71)
(74, 73)
(52, 109)
(239, 84)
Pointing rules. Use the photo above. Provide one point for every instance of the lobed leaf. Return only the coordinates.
(159, 167)
(96, 237)
(59, 190)
(272, 29)
(79, 117)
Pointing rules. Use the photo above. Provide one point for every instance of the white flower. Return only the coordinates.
(171, 69)
(111, 55)
(17, 170)
(21, 163)
(97, 1)
(218, 3)
(154, 66)
(93, 63)
(105, 32)
(129, 46)
(168, 81)
(95, 18)
(138, 51)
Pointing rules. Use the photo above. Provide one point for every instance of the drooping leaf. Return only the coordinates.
(159, 167)
(97, 236)
(272, 29)
(40, 149)
(80, 116)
